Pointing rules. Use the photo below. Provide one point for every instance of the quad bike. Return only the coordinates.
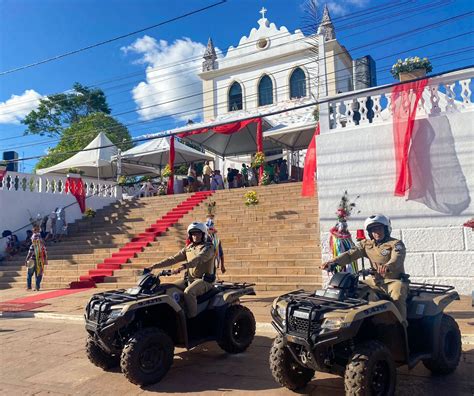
(352, 331)
(138, 328)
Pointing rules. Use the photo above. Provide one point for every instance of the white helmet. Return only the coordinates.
(196, 226)
(378, 219)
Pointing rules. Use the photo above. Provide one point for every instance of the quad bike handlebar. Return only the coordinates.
(166, 272)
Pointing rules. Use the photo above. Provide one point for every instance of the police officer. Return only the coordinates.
(386, 256)
(200, 273)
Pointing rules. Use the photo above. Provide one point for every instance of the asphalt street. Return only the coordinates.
(46, 357)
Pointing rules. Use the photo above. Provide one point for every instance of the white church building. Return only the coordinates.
(272, 70)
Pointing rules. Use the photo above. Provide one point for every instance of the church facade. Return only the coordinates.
(272, 67)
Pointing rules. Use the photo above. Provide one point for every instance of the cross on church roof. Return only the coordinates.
(263, 11)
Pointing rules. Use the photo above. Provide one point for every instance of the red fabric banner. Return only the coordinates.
(75, 186)
(308, 188)
(405, 98)
(3, 172)
(225, 129)
(170, 189)
(232, 127)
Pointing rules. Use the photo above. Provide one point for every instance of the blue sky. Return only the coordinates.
(34, 30)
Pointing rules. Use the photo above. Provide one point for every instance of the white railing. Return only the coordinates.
(55, 184)
(447, 93)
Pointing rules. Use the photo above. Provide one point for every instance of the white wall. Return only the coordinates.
(361, 161)
(16, 204)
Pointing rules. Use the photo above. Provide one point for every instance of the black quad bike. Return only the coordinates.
(349, 330)
(138, 328)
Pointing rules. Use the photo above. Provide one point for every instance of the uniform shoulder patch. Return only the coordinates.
(399, 247)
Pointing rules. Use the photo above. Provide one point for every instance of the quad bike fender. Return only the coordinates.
(231, 297)
(155, 300)
(376, 308)
(445, 299)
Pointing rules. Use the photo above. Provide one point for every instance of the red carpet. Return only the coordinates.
(140, 242)
(43, 296)
(18, 307)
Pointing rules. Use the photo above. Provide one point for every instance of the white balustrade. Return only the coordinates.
(49, 184)
(446, 93)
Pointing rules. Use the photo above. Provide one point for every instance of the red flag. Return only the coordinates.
(310, 165)
(405, 98)
(170, 189)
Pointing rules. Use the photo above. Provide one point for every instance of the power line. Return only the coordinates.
(248, 96)
(316, 102)
(162, 67)
(112, 39)
(387, 39)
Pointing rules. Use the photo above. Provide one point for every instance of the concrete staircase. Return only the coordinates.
(274, 244)
(92, 242)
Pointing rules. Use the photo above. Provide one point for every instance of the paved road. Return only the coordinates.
(46, 357)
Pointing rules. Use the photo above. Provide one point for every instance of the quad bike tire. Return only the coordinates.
(370, 371)
(99, 357)
(147, 356)
(238, 330)
(285, 370)
(449, 348)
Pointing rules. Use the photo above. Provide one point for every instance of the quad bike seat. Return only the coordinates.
(208, 295)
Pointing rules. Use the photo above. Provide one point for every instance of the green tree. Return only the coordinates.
(56, 113)
(81, 133)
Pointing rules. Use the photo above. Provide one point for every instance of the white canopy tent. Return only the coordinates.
(98, 159)
(293, 138)
(156, 153)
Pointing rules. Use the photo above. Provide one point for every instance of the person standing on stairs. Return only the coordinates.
(218, 251)
(200, 275)
(36, 259)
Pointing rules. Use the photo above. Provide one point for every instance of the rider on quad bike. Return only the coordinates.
(386, 256)
(200, 270)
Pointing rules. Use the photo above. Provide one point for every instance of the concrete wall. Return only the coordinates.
(16, 207)
(429, 220)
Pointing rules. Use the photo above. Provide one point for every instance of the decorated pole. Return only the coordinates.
(340, 239)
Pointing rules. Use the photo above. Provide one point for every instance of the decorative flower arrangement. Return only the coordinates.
(340, 239)
(265, 181)
(410, 64)
(258, 160)
(162, 189)
(251, 198)
(211, 208)
(167, 171)
(343, 212)
(89, 213)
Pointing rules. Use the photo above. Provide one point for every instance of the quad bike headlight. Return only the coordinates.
(332, 324)
(114, 314)
(281, 311)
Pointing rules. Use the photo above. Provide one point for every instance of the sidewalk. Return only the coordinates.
(72, 307)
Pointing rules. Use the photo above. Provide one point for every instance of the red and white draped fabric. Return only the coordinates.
(405, 98)
(3, 172)
(308, 188)
(230, 128)
(170, 189)
(75, 186)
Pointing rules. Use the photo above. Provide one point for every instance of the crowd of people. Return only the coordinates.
(247, 176)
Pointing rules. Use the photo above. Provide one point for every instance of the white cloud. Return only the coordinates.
(13, 110)
(171, 74)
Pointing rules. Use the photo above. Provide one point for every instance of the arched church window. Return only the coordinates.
(265, 91)
(297, 84)
(235, 97)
